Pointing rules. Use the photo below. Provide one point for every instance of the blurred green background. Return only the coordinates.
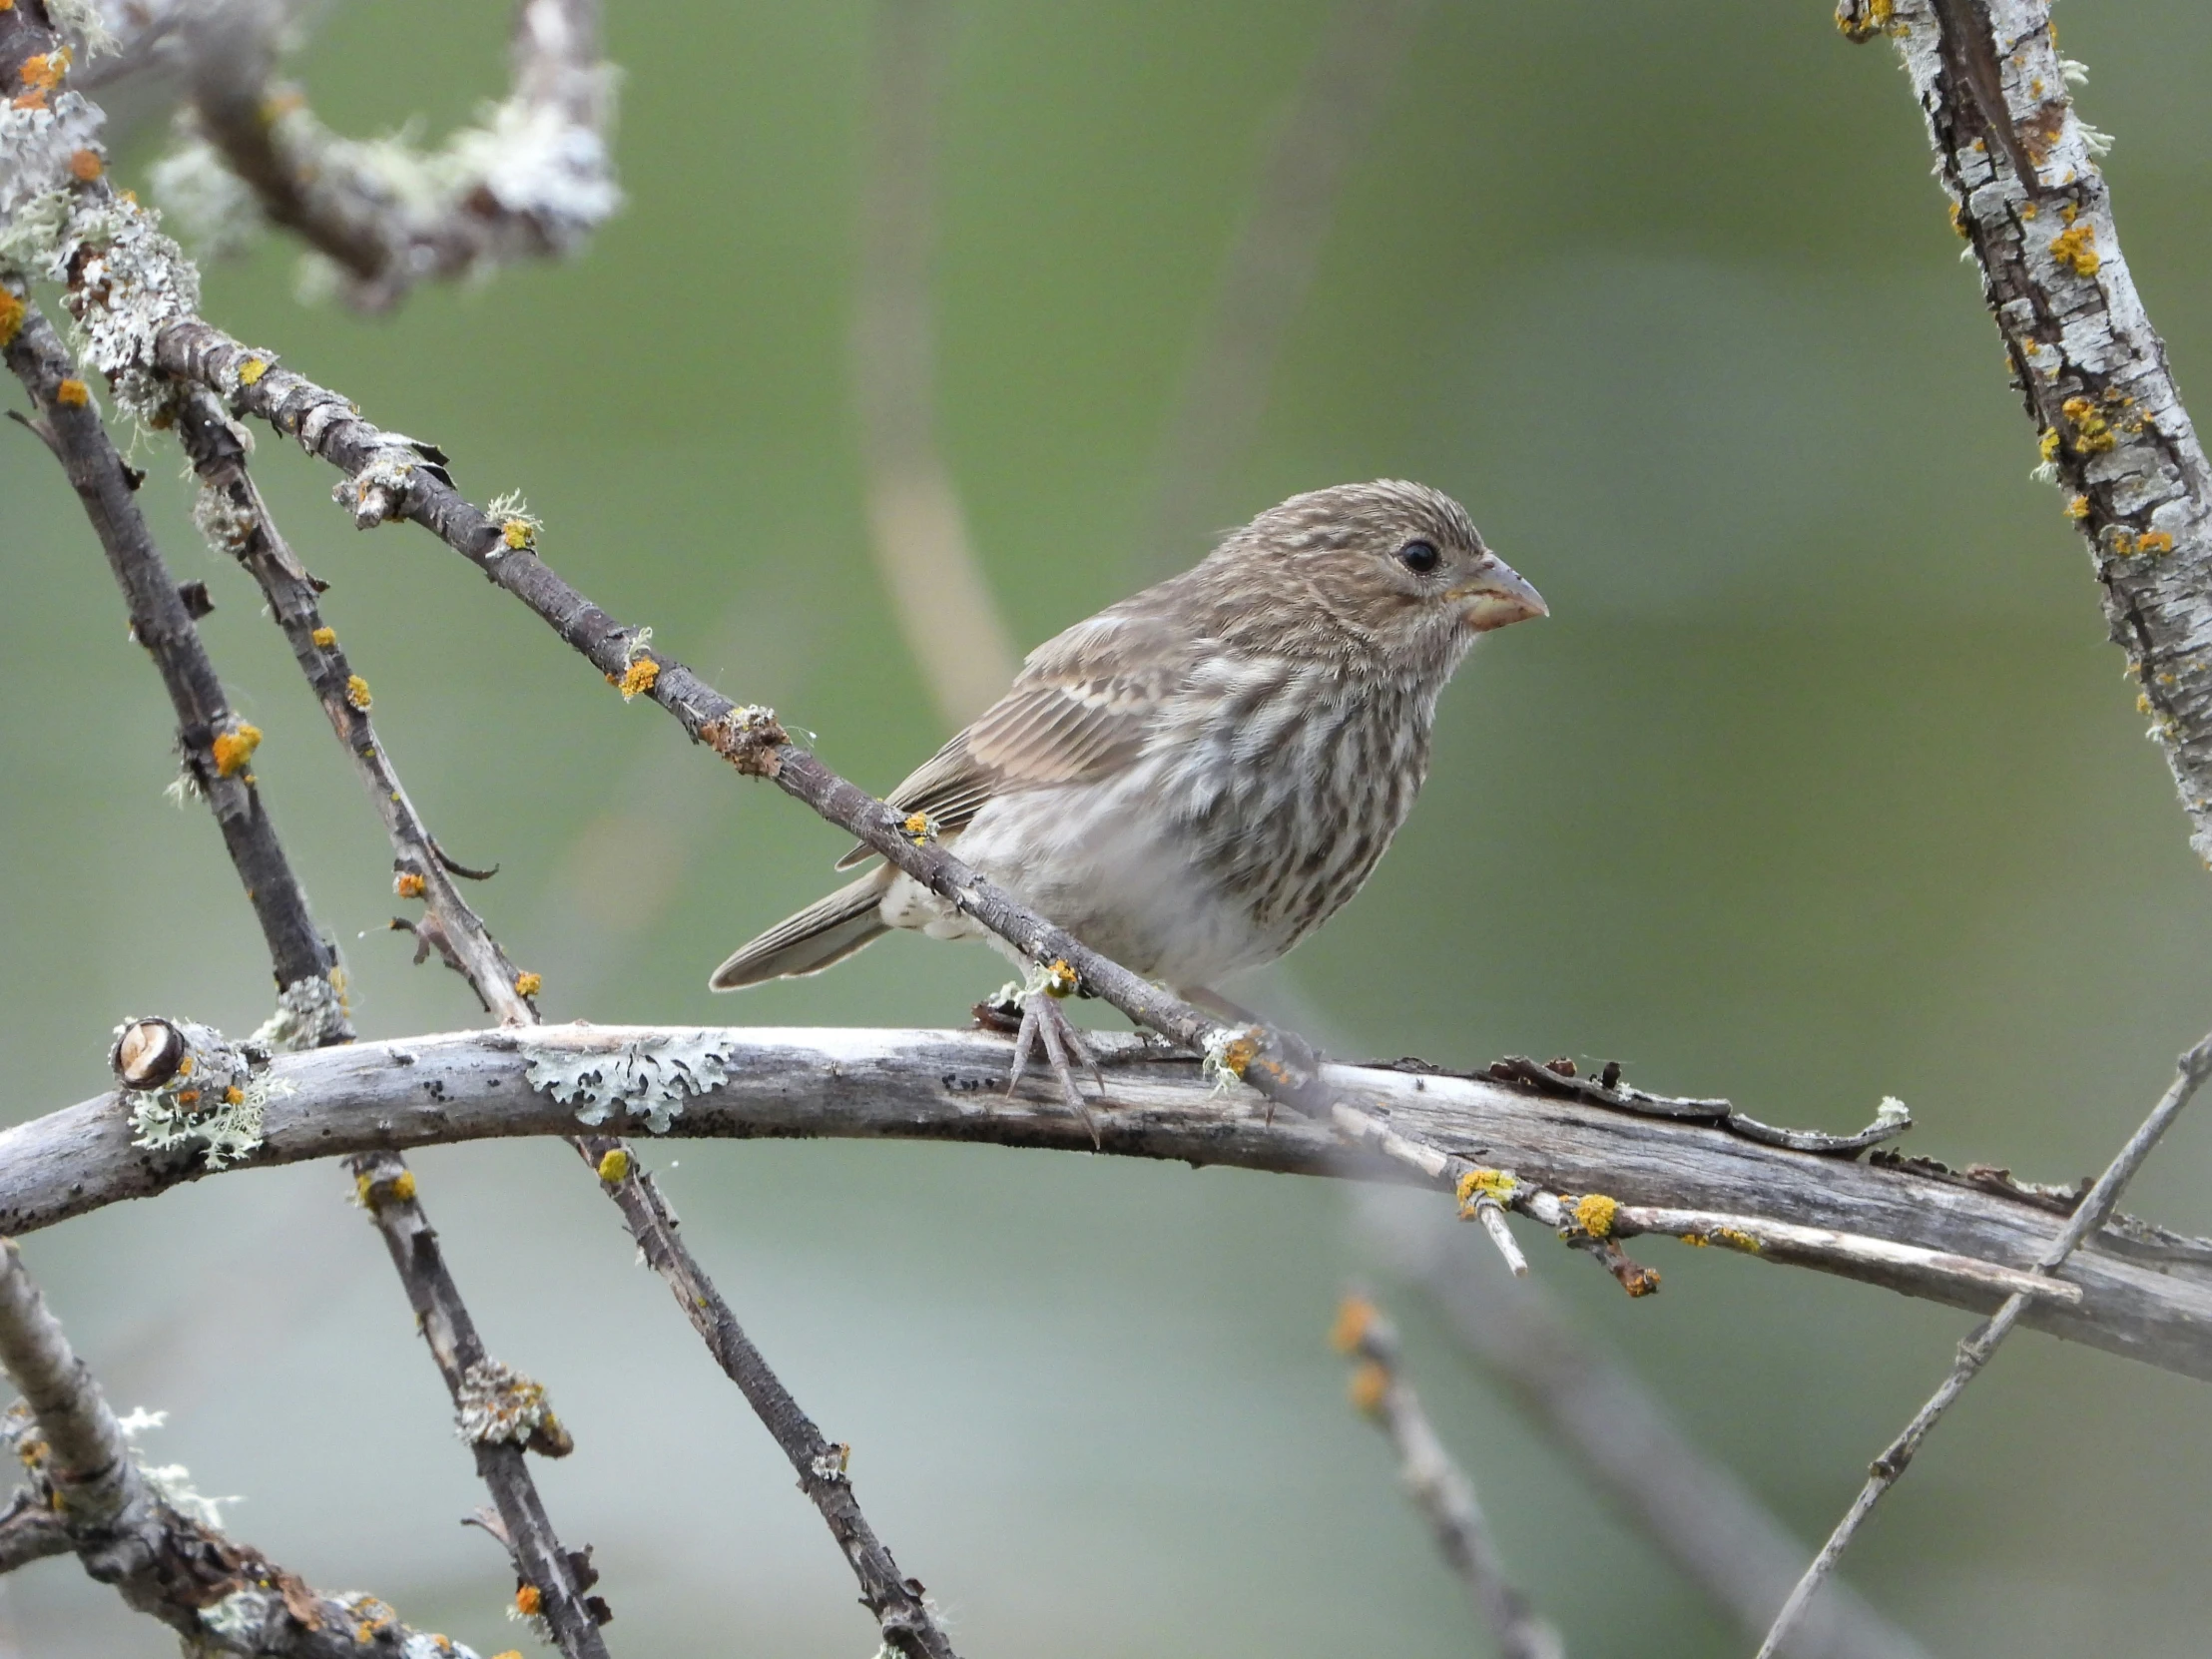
(1821, 784)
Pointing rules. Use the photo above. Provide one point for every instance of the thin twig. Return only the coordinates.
(1982, 1341)
(501, 1412)
(87, 1493)
(248, 532)
(945, 607)
(2145, 1294)
(241, 525)
(535, 179)
(1440, 1487)
(1686, 1504)
(216, 744)
(898, 1603)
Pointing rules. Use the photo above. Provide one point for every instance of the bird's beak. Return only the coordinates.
(1497, 598)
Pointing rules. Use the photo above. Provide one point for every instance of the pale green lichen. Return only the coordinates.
(213, 207)
(647, 1077)
(308, 1011)
(496, 1404)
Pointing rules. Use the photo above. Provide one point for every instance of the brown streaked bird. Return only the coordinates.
(1197, 777)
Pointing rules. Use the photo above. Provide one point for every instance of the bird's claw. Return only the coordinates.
(1043, 1024)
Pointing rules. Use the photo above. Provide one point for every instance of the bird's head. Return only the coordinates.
(1398, 566)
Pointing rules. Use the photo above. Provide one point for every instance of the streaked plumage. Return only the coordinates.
(1196, 777)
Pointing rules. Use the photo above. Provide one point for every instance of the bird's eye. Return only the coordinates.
(1420, 557)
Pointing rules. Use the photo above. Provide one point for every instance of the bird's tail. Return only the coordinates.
(823, 933)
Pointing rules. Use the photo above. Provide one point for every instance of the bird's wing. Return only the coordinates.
(1080, 709)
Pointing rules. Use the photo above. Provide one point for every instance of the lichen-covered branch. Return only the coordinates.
(901, 1611)
(2138, 1290)
(2020, 167)
(945, 607)
(1438, 1486)
(86, 1493)
(534, 178)
(237, 520)
(216, 744)
(501, 1413)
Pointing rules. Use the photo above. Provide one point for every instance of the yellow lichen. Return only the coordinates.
(1958, 220)
(1594, 1213)
(1354, 1316)
(614, 1166)
(325, 637)
(357, 692)
(1060, 980)
(639, 676)
(2092, 432)
(74, 394)
(528, 984)
(1737, 1239)
(408, 885)
(2142, 702)
(233, 749)
(918, 828)
(2155, 541)
(515, 532)
(2047, 445)
(188, 1097)
(2030, 211)
(2123, 542)
(42, 73)
(401, 1187)
(2078, 507)
(11, 316)
(527, 1600)
(251, 370)
(1370, 1383)
(2076, 247)
(85, 166)
(1478, 1184)
(234, 1096)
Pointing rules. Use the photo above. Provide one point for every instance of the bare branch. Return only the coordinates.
(2144, 1293)
(2020, 169)
(945, 607)
(533, 180)
(898, 1601)
(216, 744)
(88, 1495)
(500, 1412)
(1684, 1503)
(242, 524)
(1440, 1487)
(2089, 1215)
(237, 520)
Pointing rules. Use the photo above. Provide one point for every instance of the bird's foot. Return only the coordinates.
(1043, 1024)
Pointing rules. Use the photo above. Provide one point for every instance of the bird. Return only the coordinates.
(1196, 777)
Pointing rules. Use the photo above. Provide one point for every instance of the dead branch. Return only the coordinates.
(501, 1413)
(1689, 1506)
(1437, 1483)
(533, 180)
(1973, 1353)
(2137, 1291)
(87, 1493)
(216, 743)
(902, 1614)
